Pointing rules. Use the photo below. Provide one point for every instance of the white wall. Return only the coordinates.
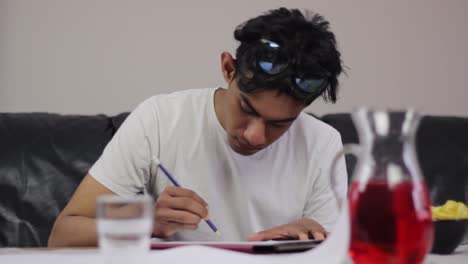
(105, 56)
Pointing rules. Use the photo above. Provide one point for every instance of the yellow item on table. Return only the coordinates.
(451, 210)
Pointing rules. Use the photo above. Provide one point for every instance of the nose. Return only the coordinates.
(255, 132)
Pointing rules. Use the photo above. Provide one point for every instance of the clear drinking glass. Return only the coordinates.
(124, 227)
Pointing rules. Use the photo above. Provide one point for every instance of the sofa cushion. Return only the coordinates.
(43, 158)
(344, 125)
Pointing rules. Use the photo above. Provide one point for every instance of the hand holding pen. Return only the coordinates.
(178, 208)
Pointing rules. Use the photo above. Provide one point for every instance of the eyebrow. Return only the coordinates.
(254, 112)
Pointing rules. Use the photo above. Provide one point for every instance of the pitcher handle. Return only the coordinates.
(354, 149)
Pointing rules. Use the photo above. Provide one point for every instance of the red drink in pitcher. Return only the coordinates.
(390, 224)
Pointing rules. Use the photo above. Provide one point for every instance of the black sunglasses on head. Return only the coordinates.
(271, 59)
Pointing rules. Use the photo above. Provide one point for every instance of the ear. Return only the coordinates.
(228, 66)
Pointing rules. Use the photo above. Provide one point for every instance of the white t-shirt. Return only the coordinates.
(288, 180)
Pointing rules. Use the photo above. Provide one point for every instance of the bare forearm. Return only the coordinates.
(73, 231)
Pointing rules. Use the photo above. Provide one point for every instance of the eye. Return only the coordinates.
(245, 109)
(279, 125)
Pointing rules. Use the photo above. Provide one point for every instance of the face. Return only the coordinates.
(253, 121)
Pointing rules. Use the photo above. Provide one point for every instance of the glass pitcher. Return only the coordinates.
(389, 205)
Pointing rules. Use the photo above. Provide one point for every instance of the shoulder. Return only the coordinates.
(168, 107)
(315, 131)
(312, 137)
(180, 98)
(174, 104)
(177, 111)
(314, 142)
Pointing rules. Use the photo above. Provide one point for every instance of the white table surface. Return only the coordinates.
(460, 256)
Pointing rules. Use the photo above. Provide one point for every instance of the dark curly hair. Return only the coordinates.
(306, 36)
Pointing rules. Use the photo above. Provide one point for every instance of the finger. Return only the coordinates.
(179, 226)
(184, 204)
(255, 237)
(303, 236)
(270, 234)
(167, 215)
(165, 230)
(260, 236)
(318, 235)
(296, 232)
(178, 191)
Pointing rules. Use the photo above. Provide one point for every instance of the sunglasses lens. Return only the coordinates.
(310, 85)
(271, 59)
(271, 67)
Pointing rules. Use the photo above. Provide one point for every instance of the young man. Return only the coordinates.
(246, 156)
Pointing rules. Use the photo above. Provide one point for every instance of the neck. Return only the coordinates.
(218, 102)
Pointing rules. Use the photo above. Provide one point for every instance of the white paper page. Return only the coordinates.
(234, 243)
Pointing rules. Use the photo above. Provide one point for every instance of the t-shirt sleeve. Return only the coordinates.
(125, 165)
(321, 205)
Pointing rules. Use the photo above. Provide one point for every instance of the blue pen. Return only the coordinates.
(169, 176)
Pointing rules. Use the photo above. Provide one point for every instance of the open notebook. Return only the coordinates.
(280, 246)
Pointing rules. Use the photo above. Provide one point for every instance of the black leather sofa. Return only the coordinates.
(43, 157)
